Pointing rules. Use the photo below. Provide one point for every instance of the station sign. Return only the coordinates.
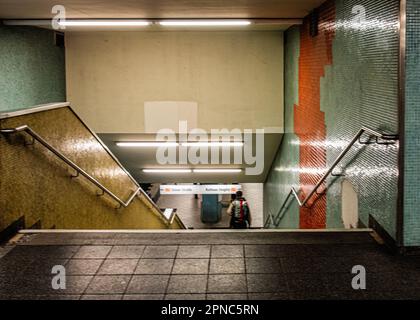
(199, 189)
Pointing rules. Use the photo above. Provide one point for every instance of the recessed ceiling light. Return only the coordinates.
(103, 23)
(187, 23)
(167, 170)
(146, 144)
(217, 170)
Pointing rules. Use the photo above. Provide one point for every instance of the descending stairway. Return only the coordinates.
(57, 173)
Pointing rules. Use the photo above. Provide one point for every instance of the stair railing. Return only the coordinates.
(79, 171)
(379, 138)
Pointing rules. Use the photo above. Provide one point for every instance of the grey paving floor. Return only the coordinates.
(215, 265)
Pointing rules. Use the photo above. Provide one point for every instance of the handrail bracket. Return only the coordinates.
(31, 143)
(72, 176)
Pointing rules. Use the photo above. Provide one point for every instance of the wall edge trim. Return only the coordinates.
(34, 109)
(401, 122)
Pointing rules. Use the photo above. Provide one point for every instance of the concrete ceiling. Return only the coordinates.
(41, 9)
(136, 159)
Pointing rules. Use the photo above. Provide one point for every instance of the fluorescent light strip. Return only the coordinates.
(103, 23)
(147, 144)
(217, 170)
(136, 23)
(212, 144)
(192, 170)
(175, 144)
(167, 170)
(191, 23)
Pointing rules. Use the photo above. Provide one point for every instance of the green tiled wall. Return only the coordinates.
(412, 128)
(284, 172)
(32, 68)
(360, 88)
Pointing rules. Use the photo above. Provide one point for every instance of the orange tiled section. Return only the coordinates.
(315, 54)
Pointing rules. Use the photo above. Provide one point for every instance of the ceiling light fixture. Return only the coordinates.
(204, 23)
(212, 144)
(217, 170)
(103, 23)
(175, 144)
(192, 170)
(167, 170)
(146, 144)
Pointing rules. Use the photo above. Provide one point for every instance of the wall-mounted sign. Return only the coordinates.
(199, 189)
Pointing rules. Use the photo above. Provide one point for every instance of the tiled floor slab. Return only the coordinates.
(160, 252)
(227, 265)
(154, 266)
(191, 266)
(148, 284)
(187, 284)
(227, 283)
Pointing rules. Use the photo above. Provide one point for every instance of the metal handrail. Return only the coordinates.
(37, 137)
(380, 138)
(269, 220)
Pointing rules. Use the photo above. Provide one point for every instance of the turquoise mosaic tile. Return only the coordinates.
(284, 172)
(32, 68)
(359, 89)
(412, 128)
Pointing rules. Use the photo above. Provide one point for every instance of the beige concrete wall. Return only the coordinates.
(111, 74)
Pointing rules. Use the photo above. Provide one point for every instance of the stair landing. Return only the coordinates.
(221, 265)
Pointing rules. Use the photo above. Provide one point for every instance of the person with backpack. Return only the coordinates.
(239, 212)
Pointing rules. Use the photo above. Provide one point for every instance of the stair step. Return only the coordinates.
(154, 237)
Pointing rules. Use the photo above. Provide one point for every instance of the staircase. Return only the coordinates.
(56, 173)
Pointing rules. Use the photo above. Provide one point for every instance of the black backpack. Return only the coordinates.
(240, 211)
